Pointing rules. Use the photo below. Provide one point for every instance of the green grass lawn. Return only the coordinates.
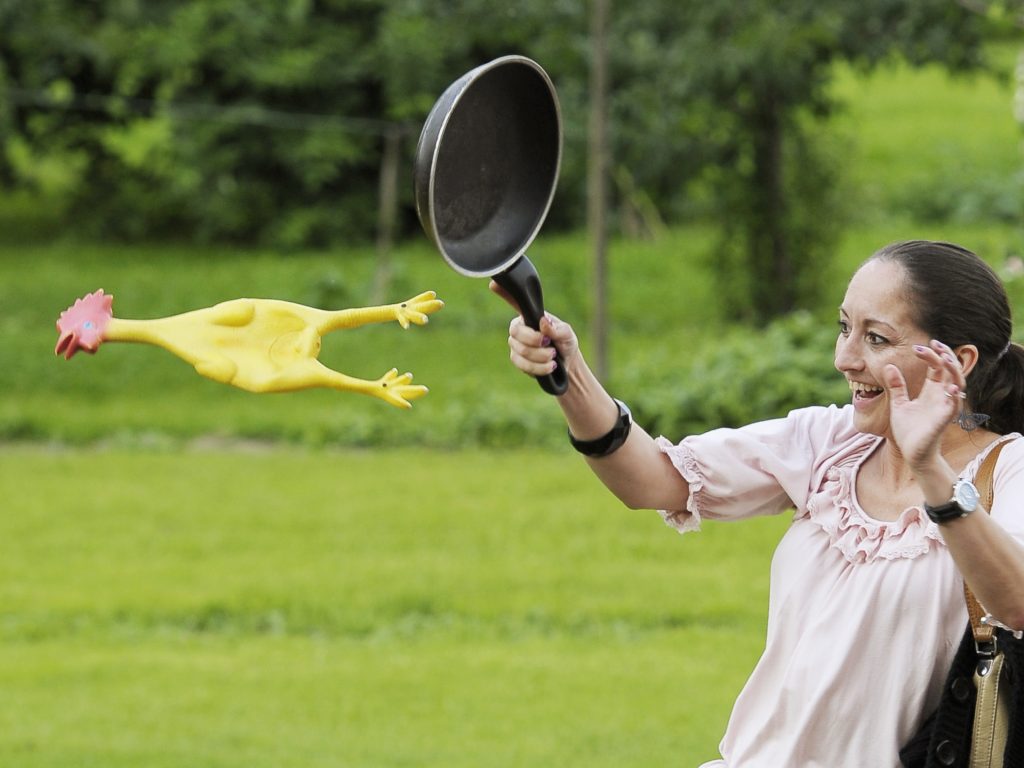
(192, 575)
(320, 608)
(912, 129)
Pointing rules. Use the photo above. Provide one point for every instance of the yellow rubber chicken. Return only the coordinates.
(261, 345)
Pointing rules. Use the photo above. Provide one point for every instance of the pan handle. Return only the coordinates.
(523, 284)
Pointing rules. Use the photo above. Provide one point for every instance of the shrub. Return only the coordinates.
(743, 377)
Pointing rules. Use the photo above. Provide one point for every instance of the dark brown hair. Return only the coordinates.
(958, 299)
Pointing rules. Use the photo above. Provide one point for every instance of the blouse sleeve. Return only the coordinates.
(760, 469)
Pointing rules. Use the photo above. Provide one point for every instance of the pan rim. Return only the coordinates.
(470, 78)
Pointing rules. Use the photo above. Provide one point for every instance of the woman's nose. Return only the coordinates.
(846, 358)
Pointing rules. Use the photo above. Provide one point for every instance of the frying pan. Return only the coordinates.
(485, 174)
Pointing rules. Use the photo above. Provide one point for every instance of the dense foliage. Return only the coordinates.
(267, 123)
(733, 382)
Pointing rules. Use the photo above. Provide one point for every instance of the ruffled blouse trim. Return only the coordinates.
(857, 536)
(832, 507)
(682, 458)
(861, 538)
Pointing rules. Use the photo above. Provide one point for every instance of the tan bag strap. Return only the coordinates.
(983, 633)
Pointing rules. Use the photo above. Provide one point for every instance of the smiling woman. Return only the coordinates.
(877, 328)
(866, 606)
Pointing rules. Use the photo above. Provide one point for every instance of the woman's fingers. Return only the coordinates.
(895, 384)
(530, 350)
(949, 363)
(944, 368)
(499, 291)
(530, 363)
(534, 351)
(536, 361)
(943, 364)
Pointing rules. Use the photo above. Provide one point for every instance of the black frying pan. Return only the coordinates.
(486, 170)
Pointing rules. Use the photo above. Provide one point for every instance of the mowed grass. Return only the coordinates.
(281, 602)
(405, 608)
(912, 127)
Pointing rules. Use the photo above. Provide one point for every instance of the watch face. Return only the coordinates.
(966, 496)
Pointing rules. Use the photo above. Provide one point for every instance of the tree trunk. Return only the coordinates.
(774, 289)
(597, 180)
(387, 213)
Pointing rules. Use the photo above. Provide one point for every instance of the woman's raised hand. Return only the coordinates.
(918, 423)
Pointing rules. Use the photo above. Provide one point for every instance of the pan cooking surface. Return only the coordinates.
(473, 168)
(496, 168)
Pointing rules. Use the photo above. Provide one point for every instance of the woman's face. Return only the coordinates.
(876, 330)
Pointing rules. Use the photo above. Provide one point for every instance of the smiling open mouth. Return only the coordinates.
(864, 392)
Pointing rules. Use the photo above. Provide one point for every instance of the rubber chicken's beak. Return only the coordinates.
(67, 345)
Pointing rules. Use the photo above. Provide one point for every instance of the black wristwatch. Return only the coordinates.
(610, 442)
(965, 500)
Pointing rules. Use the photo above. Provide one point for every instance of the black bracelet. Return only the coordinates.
(608, 443)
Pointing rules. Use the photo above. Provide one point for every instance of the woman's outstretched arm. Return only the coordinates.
(638, 472)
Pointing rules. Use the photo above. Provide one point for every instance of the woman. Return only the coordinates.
(866, 608)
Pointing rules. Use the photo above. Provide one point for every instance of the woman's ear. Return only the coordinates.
(967, 355)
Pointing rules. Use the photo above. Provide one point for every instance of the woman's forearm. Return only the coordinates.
(638, 473)
(992, 564)
(990, 559)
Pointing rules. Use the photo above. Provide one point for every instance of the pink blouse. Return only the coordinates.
(864, 616)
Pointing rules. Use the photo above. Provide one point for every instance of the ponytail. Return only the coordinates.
(997, 389)
(959, 299)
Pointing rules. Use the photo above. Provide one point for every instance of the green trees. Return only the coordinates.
(743, 86)
(235, 121)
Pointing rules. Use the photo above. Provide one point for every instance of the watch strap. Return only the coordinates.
(944, 512)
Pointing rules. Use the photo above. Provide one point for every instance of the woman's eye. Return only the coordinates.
(844, 327)
(874, 339)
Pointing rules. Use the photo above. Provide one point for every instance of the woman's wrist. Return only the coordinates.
(936, 482)
(589, 410)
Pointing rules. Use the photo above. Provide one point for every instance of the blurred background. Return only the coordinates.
(195, 575)
(725, 166)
